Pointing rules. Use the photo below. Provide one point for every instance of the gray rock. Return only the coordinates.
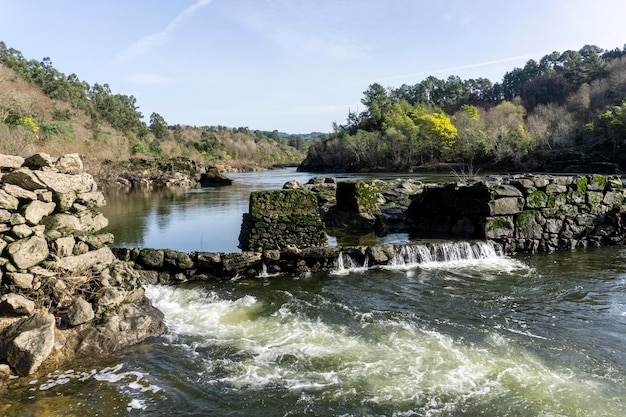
(20, 280)
(17, 218)
(69, 164)
(37, 210)
(381, 254)
(44, 195)
(64, 246)
(21, 231)
(97, 260)
(80, 312)
(504, 190)
(293, 185)
(65, 183)
(64, 201)
(7, 201)
(63, 224)
(499, 227)
(18, 192)
(28, 252)
(507, 205)
(28, 342)
(151, 258)
(5, 215)
(240, 261)
(109, 297)
(15, 304)
(11, 161)
(98, 241)
(80, 248)
(556, 189)
(92, 199)
(128, 325)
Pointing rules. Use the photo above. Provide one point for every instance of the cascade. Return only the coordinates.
(441, 253)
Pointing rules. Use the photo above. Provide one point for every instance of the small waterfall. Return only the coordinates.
(443, 254)
(345, 264)
(264, 273)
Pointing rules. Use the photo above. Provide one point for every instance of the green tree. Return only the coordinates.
(378, 103)
(158, 126)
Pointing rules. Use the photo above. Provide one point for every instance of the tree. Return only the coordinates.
(377, 102)
(158, 126)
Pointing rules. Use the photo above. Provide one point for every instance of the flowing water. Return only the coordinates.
(446, 329)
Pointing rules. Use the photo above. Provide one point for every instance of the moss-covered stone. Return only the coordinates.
(536, 199)
(282, 218)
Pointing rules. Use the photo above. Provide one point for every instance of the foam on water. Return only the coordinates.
(387, 361)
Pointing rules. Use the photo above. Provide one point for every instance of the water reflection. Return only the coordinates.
(209, 219)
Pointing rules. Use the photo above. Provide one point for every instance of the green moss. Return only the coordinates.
(594, 198)
(367, 196)
(525, 218)
(599, 179)
(537, 199)
(581, 185)
(616, 183)
(496, 223)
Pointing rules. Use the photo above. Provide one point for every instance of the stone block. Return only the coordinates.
(507, 205)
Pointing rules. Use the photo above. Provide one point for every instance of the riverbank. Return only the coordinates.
(63, 294)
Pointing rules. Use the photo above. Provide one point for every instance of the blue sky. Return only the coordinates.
(293, 65)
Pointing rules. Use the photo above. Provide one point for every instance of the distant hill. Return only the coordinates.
(43, 109)
(565, 112)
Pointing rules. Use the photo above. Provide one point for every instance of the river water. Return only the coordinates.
(491, 335)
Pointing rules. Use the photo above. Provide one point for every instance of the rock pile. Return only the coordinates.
(63, 294)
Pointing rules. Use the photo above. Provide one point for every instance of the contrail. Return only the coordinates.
(149, 42)
(463, 67)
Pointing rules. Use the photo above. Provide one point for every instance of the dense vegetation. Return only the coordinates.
(42, 109)
(567, 111)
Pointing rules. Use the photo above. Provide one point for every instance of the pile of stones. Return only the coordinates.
(63, 294)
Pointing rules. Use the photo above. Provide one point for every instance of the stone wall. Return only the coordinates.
(525, 213)
(63, 294)
(281, 218)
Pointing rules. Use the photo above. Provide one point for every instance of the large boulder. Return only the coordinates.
(28, 342)
(128, 325)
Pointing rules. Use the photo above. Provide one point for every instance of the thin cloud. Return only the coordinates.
(149, 42)
(462, 67)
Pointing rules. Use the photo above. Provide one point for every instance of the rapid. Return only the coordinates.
(446, 329)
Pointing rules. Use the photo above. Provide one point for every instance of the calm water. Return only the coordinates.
(541, 335)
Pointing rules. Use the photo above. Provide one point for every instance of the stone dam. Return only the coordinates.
(283, 233)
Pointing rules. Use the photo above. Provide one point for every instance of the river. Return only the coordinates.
(540, 335)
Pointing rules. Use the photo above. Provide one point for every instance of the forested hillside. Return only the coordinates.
(565, 112)
(43, 109)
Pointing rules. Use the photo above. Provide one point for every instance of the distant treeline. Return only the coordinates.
(567, 108)
(72, 100)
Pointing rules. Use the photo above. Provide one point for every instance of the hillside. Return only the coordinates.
(566, 112)
(44, 110)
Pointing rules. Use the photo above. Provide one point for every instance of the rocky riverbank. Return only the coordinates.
(63, 294)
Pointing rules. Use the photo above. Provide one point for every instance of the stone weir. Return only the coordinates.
(284, 234)
(531, 213)
(63, 294)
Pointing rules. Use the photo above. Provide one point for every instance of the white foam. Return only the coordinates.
(389, 360)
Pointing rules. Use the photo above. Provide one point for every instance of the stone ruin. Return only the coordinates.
(63, 294)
